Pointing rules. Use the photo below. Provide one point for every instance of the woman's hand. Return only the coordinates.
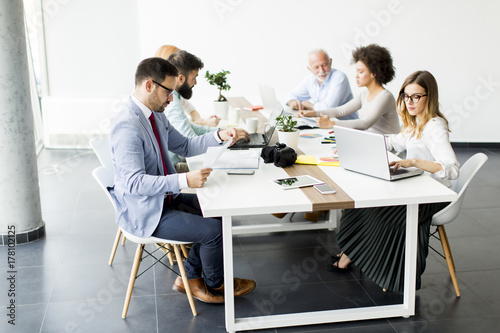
(324, 122)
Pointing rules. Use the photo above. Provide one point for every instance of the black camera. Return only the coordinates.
(279, 154)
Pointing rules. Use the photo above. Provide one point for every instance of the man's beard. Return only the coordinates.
(185, 90)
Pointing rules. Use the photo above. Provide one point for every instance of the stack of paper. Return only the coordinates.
(233, 159)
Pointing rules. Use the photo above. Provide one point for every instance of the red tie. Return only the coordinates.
(155, 130)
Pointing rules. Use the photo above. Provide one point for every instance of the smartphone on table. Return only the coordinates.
(324, 189)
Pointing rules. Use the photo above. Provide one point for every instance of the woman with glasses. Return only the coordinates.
(376, 106)
(374, 238)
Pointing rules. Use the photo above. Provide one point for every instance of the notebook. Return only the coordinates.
(366, 153)
(259, 140)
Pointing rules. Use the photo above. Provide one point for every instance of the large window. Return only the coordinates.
(33, 14)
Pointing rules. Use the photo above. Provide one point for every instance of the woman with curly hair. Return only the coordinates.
(376, 106)
(374, 238)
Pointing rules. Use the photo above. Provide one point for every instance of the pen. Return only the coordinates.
(331, 132)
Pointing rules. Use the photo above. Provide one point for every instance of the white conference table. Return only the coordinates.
(230, 196)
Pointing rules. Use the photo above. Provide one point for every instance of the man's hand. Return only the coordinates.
(197, 178)
(306, 105)
(305, 113)
(295, 104)
(235, 133)
(324, 122)
(213, 121)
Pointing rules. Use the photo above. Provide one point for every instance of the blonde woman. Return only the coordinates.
(164, 52)
(374, 238)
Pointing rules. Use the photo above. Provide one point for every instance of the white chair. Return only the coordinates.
(105, 179)
(101, 148)
(450, 212)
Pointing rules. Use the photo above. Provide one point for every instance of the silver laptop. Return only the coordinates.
(268, 96)
(366, 153)
(258, 140)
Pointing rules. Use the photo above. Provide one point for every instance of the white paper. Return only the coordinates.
(213, 154)
(238, 159)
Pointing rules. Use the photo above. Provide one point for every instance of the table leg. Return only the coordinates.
(227, 246)
(411, 258)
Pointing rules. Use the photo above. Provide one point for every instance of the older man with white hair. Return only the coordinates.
(324, 88)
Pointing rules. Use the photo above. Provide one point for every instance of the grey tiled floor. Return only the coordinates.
(65, 284)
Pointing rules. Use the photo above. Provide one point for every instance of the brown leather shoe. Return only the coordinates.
(198, 289)
(314, 216)
(241, 287)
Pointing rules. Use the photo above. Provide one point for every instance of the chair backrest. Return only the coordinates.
(105, 179)
(467, 172)
(101, 148)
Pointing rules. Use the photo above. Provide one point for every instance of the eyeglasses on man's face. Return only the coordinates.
(169, 91)
(415, 98)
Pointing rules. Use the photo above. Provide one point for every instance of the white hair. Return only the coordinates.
(315, 51)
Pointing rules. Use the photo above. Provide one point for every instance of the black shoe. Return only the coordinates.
(336, 257)
(335, 268)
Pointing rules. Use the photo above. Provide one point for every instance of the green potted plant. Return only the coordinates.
(287, 133)
(221, 105)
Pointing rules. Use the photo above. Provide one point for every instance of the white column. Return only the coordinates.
(20, 210)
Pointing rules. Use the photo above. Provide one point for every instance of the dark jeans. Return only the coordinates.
(182, 220)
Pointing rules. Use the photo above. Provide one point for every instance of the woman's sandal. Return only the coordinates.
(335, 268)
(336, 257)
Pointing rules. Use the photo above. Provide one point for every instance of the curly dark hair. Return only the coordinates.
(378, 60)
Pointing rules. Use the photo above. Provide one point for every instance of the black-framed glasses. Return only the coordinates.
(170, 91)
(414, 98)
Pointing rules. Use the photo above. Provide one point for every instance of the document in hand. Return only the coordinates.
(234, 159)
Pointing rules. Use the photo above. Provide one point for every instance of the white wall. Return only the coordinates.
(267, 41)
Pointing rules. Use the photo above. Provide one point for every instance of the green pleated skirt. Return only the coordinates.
(374, 239)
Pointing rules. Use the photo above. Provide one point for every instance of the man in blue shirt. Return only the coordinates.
(188, 66)
(324, 88)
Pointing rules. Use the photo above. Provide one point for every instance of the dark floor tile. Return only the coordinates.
(45, 251)
(90, 281)
(57, 223)
(465, 250)
(28, 319)
(483, 218)
(437, 300)
(292, 267)
(315, 297)
(286, 240)
(101, 315)
(372, 326)
(92, 248)
(482, 197)
(483, 283)
(31, 285)
(460, 325)
(93, 221)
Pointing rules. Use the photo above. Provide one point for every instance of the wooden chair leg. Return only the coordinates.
(170, 255)
(445, 235)
(448, 256)
(184, 251)
(123, 240)
(131, 281)
(184, 278)
(115, 246)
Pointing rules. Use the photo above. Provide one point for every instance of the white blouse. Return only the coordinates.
(433, 145)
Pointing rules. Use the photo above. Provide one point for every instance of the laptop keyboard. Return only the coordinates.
(398, 171)
(255, 139)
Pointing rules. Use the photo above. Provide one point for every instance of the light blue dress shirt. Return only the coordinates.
(335, 91)
(177, 117)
